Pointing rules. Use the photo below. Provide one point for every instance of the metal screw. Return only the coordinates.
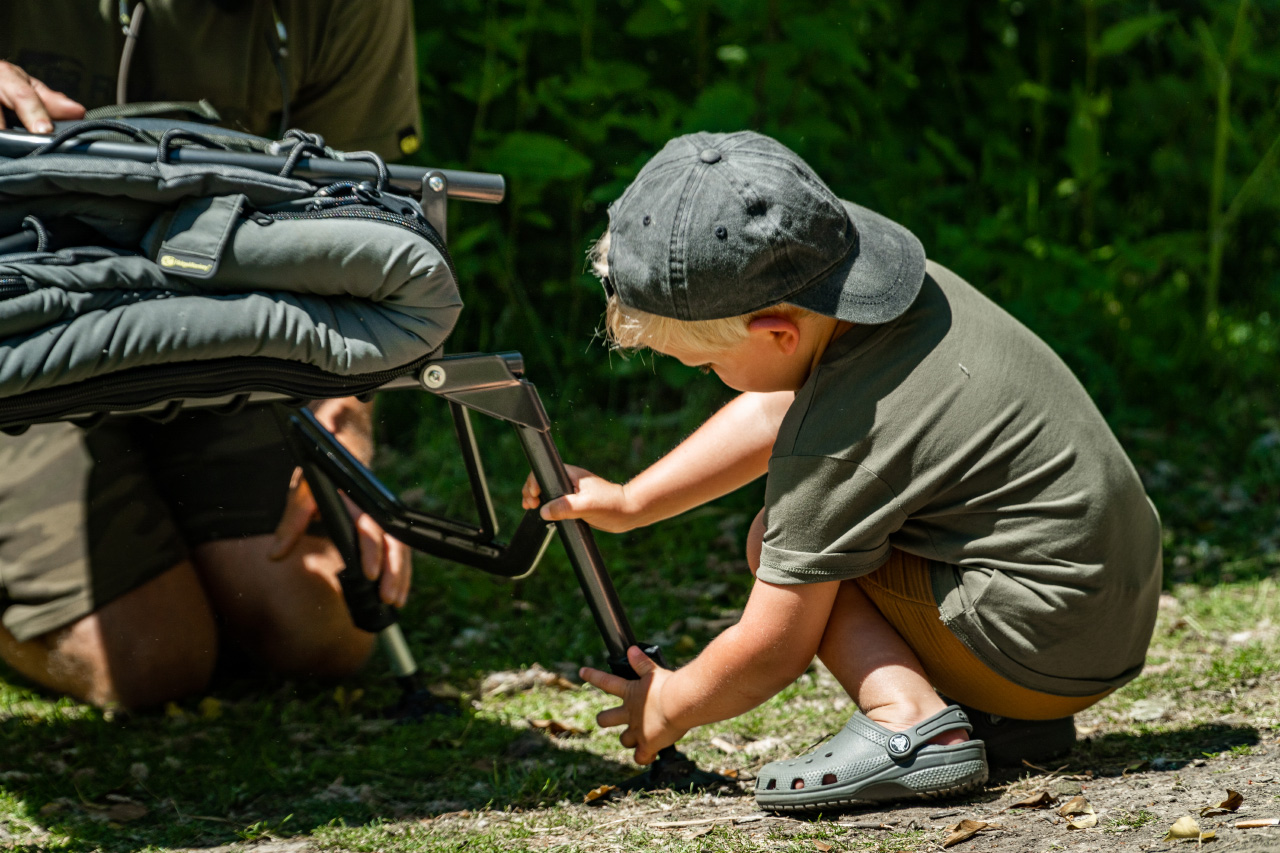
(434, 377)
(436, 183)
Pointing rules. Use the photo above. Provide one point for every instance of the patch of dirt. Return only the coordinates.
(1124, 806)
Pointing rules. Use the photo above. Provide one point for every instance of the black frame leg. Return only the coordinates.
(368, 611)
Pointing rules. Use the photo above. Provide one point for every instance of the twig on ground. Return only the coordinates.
(678, 824)
(748, 818)
(627, 818)
(1045, 770)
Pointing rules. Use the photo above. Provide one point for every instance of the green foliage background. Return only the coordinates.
(1105, 169)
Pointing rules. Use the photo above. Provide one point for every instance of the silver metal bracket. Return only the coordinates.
(435, 198)
(491, 383)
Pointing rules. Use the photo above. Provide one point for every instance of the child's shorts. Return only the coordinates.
(87, 516)
(902, 589)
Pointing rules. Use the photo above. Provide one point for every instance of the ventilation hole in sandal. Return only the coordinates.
(829, 754)
(829, 779)
(773, 783)
(797, 784)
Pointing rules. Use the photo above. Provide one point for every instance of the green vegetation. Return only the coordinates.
(1108, 171)
(266, 761)
(1129, 820)
(1105, 170)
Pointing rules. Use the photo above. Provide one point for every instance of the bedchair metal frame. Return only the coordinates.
(493, 384)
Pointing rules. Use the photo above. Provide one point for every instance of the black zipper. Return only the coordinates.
(11, 286)
(361, 207)
(146, 386)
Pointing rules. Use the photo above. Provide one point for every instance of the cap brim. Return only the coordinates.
(878, 281)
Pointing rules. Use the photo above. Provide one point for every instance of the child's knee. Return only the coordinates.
(755, 542)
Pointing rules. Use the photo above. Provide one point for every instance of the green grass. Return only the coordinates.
(1125, 821)
(274, 759)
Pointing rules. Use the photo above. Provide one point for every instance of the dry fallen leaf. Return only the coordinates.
(1233, 801)
(1184, 828)
(1084, 821)
(966, 829)
(518, 681)
(125, 812)
(555, 728)
(823, 847)
(598, 796)
(1075, 806)
(1038, 800)
(701, 831)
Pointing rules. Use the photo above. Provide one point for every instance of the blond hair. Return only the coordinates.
(630, 328)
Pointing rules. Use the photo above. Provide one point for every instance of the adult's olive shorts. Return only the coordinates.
(88, 515)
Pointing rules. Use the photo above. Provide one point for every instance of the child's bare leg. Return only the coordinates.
(869, 658)
(880, 671)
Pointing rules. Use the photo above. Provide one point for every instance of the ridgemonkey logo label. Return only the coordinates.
(169, 261)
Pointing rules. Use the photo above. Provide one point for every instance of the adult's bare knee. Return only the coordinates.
(321, 644)
(154, 644)
(288, 613)
(158, 643)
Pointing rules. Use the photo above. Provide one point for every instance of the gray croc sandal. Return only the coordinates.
(867, 763)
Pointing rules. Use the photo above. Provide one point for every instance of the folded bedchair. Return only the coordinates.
(150, 266)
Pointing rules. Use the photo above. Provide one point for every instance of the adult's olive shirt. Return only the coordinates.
(349, 66)
(956, 434)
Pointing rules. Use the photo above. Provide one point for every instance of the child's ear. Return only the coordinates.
(784, 332)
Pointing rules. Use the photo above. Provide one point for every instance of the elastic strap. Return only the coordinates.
(80, 128)
(30, 223)
(166, 141)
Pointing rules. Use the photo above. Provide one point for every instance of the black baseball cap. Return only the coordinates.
(722, 224)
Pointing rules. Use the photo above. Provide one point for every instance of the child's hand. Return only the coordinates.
(595, 500)
(648, 730)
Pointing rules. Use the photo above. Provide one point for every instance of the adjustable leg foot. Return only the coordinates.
(417, 702)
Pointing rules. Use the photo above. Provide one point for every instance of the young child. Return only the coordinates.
(946, 511)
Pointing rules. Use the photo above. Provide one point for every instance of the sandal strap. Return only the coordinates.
(904, 743)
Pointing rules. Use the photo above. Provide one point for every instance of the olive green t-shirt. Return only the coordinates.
(956, 434)
(349, 66)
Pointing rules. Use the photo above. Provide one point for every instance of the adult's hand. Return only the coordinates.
(35, 104)
(382, 558)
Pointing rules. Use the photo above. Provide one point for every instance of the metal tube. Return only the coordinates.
(469, 186)
(392, 640)
(584, 554)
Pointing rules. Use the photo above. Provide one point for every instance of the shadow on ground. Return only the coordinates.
(1160, 751)
(249, 762)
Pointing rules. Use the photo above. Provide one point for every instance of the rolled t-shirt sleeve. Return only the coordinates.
(825, 519)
